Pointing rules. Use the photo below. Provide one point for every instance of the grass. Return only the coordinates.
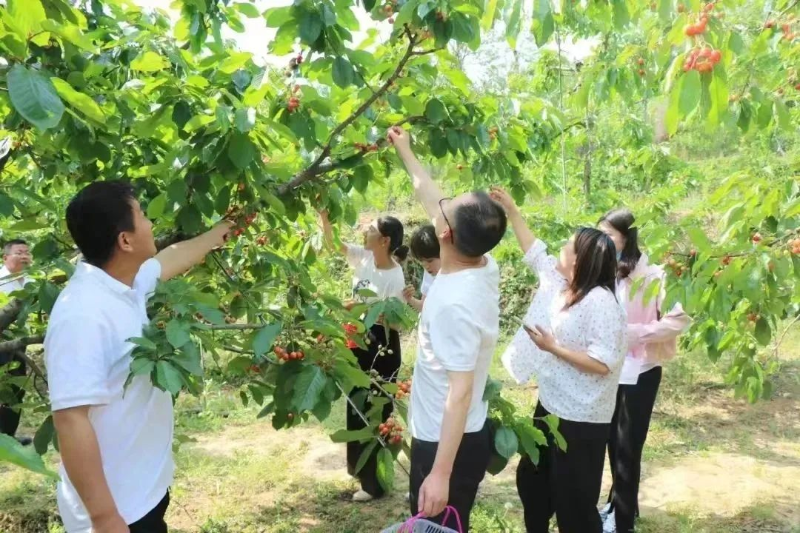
(713, 464)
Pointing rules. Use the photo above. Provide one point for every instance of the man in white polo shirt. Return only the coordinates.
(115, 442)
(458, 330)
(16, 258)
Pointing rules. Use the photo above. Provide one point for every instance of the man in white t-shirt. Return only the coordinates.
(16, 258)
(115, 441)
(459, 326)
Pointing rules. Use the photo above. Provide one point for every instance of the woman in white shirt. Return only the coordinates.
(652, 336)
(577, 329)
(376, 268)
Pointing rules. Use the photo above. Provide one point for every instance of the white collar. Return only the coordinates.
(90, 271)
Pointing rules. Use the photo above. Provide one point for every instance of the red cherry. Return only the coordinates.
(715, 56)
(757, 238)
(768, 25)
(640, 61)
(391, 20)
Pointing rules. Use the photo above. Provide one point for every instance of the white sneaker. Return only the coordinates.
(604, 512)
(362, 497)
(610, 523)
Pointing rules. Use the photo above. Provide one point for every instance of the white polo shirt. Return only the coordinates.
(88, 360)
(9, 285)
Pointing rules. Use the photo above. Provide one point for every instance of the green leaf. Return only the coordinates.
(513, 22)
(488, 15)
(552, 422)
(263, 339)
(782, 112)
(241, 150)
(78, 100)
(435, 111)
(140, 365)
(308, 387)
(385, 469)
(177, 333)
(234, 62)
(34, 97)
(621, 16)
(245, 119)
(11, 451)
(543, 23)
(248, 10)
(27, 16)
(531, 438)
(361, 177)
(44, 436)
(699, 238)
(366, 453)
(344, 435)
(278, 16)
(156, 206)
(718, 92)
(145, 343)
(168, 377)
(406, 13)
(690, 89)
(310, 27)
(48, 293)
(342, 72)
(763, 332)
(149, 62)
(505, 442)
(463, 29)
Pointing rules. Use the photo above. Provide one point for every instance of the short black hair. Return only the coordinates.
(97, 215)
(13, 242)
(479, 225)
(424, 243)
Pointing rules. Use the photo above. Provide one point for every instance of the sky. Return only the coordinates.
(257, 36)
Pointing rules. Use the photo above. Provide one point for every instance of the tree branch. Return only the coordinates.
(313, 169)
(9, 313)
(235, 327)
(18, 345)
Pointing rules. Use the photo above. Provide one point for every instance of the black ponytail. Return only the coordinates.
(622, 220)
(393, 229)
(401, 253)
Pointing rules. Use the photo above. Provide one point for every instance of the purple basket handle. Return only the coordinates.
(409, 524)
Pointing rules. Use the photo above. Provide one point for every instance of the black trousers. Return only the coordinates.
(9, 415)
(153, 522)
(469, 468)
(628, 434)
(377, 358)
(565, 483)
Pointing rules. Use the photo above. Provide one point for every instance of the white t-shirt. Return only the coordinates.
(522, 358)
(386, 283)
(7, 286)
(458, 332)
(596, 325)
(88, 360)
(427, 281)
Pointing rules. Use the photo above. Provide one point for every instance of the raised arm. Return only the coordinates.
(327, 232)
(425, 189)
(525, 236)
(180, 257)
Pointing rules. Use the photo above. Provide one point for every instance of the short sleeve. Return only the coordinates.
(355, 254)
(536, 259)
(77, 366)
(395, 287)
(427, 281)
(607, 329)
(455, 338)
(147, 278)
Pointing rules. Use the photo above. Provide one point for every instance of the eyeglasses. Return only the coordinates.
(441, 208)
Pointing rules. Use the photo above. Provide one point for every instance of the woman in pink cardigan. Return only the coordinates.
(652, 340)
